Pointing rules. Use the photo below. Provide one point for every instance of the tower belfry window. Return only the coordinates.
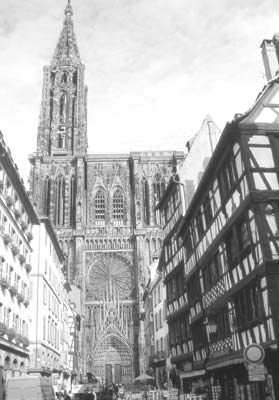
(118, 205)
(64, 77)
(158, 187)
(100, 206)
(47, 196)
(60, 201)
(62, 137)
(146, 206)
(63, 107)
(73, 201)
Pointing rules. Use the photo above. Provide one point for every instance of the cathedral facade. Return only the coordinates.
(102, 208)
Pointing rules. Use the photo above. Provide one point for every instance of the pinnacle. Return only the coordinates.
(69, 9)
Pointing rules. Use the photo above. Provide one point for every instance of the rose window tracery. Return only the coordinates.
(110, 277)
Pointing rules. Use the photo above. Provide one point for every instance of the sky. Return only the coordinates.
(154, 68)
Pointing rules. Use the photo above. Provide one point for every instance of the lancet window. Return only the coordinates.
(47, 196)
(60, 201)
(158, 187)
(50, 106)
(62, 107)
(75, 78)
(146, 205)
(62, 137)
(118, 206)
(100, 206)
(73, 201)
(64, 77)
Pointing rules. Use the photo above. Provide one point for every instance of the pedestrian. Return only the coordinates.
(67, 396)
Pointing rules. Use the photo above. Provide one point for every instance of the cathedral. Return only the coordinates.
(102, 207)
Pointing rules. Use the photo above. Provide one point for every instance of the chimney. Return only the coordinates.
(269, 58)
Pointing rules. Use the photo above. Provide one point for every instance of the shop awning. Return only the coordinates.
(224, 363)
(190, 374)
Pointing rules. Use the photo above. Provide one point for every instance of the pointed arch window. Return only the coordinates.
(64, 77)
(50, 106)
(158, 187)
(146, 206)
(62, 107)
(73, 201)
(60, 201)
(47, 196)
(62, 137)
(75, 78)
(118, 206)
(100, 206)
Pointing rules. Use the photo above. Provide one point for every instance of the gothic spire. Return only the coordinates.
(67, 51)
(69, 10)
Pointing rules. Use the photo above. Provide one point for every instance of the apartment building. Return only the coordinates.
(49, 337)
(17, 219)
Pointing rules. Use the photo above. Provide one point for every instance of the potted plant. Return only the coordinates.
(18, 338)
(23, 225)
(4, 282)
(25, 341)
(26, 302)
(9, 201)
(3, 328)
(22, 258)
(20, 297)
(28, 267)
(11, 333)
(17, 212)
(6, 238)
(14, 249)
(13, 290)
(29, 236)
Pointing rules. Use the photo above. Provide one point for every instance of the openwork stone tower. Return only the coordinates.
(103, 210)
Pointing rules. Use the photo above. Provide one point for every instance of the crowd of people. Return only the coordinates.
(109, 392)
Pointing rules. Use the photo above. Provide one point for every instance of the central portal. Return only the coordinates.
(112, 361)
(111, 316)
(112, 366)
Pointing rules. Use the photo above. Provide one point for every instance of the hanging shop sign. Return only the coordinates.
(254, 353)
(256, 372)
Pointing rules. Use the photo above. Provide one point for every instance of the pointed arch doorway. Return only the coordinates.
(112, 360)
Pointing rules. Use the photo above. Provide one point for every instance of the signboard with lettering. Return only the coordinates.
(256, 372)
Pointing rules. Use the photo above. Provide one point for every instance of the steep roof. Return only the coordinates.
(265, 110)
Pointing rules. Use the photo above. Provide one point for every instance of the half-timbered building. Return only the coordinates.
(228, 283)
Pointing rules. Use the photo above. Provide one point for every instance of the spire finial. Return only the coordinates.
(69, 10)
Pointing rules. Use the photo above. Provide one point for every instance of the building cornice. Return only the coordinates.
(11, 170)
